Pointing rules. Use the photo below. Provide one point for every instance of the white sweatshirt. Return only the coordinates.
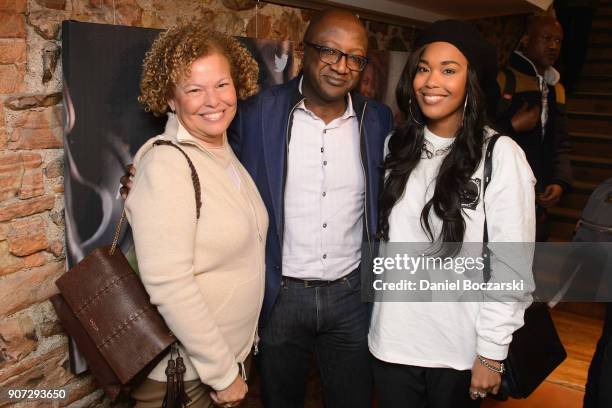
(450, 334)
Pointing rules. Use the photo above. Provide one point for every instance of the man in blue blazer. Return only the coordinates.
(315, 150)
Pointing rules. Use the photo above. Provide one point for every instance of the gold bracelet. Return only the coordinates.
(490, 366)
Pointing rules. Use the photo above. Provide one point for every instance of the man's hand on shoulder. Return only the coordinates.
(126, 180)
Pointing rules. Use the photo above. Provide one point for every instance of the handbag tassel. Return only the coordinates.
(181, 396)
(176, 396)
(170, 397)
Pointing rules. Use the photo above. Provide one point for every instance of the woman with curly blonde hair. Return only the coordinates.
(204, 270)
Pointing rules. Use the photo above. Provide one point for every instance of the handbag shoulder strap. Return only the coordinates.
(487, 173)
(195, 179)
(194, 174)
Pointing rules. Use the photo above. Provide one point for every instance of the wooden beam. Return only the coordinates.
(363, 13)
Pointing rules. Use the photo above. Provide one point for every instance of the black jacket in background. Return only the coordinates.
(548, 155)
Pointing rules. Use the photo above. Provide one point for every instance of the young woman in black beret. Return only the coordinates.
(443, 354)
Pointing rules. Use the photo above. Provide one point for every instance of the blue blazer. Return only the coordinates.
(259, 136)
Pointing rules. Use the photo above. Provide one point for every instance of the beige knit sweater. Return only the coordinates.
(206, 277)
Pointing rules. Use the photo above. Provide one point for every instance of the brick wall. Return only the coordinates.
(33, 349)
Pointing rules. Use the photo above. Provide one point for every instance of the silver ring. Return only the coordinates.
(474, 393)
(482, 394)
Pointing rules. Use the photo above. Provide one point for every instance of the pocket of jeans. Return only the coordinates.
(352, 282)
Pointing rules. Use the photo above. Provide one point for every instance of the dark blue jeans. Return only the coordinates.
(330, 321)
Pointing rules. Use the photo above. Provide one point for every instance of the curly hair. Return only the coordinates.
(172, 54)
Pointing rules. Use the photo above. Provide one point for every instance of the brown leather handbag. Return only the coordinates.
(104, 306)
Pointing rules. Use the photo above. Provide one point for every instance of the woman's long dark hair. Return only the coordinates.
(405, 149)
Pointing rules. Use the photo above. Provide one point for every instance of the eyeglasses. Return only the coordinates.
(331, 56)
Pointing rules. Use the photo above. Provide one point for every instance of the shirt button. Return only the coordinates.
(325, 163)
(322, 149)
(324, 256)
(324, 225)
(324, 194)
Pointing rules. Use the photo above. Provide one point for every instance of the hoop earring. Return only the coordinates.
(464, 108)
(412, 114)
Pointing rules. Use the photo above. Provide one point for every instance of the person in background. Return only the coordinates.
(372, 83)
(598, 393)
(204, 271)
(595, 229)
(531, 110)
(448, 354)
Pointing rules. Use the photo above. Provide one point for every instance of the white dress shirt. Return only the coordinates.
(324, 196)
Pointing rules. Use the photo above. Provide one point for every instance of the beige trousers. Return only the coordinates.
(150, 394)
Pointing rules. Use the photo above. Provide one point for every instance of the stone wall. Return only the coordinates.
(33, 349)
